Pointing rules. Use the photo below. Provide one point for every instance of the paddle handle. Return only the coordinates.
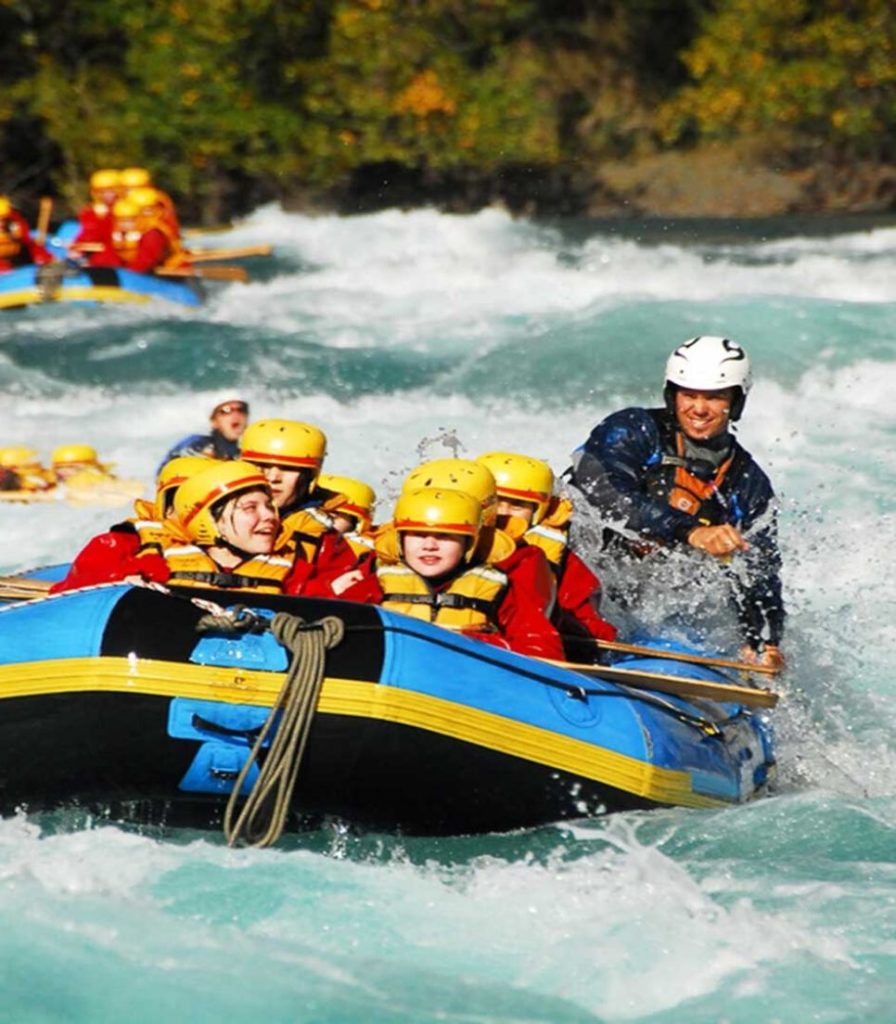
(667, 655)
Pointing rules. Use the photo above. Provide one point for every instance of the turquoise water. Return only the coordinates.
(409, 334)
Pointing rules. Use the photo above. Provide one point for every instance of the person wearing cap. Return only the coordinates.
(228, 421)
(677, 478)
(17, 247)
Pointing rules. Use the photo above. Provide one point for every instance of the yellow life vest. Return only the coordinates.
(192, 567)
(155, 534)
(551, 534)
(360, 543)
(304, 530)
(469, 601)
(10, 240)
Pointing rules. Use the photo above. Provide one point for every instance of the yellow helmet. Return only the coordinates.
(145, 199)
(18, 457)
(68, 454)
(124, 209)
(521, 478)
(172, 475)
(134, 177)
(5, 206)
(197, 495)
(359, 497)
(103, 180)
(459, 475)
(285, 443)
(441, 511)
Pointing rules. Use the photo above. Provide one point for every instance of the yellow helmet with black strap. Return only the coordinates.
(197, 496)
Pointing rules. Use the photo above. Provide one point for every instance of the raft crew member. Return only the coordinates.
(133, 178)
(526, 566)
(143, 238)
(229, 418)
(433, 568)
(352, 513)
(75, 463)
(25, 464)
(94, 242)
(290, 454)
(17, 247)
(123, 550)
(677, 476)
(530, 512)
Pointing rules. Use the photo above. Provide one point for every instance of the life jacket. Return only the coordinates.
(191, 567)
(155, 534)
(360, 543)
(127, 243)
(685, 484)
(304, 529)
(469, 601)
(11, 245)
(551, 534)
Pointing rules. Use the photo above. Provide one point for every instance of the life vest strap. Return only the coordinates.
(227, 580)
(446, 600)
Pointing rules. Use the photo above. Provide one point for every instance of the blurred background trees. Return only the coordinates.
(358, 103)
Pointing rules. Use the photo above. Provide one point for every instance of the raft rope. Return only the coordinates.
(262, 818)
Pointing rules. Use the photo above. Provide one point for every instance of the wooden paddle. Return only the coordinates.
(208, 273)
(679, 686)
(666, 655)
(44, 210)
(21, 589)
(208, 255)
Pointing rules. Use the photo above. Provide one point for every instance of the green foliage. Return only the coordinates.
(223, 94)
(811, 70)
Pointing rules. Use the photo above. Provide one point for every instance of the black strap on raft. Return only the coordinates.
(444, 600)
(225, 580)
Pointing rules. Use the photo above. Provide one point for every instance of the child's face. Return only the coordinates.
(250, 522)
(432, 554)
(507, 507)
(287, 485)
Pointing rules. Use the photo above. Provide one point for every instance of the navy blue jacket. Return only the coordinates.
(619, 470)
(212, 446)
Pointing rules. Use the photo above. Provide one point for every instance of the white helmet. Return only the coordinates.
(710, 363)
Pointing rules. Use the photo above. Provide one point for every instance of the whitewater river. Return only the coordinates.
(409, 334)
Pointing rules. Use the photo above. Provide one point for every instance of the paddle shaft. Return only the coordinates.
(679, 686)
(208, 273)
(21, 589)
(44, 210)
(666, 655)
(209, 255)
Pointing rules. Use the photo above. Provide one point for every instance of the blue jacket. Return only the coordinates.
(621, 472)
(212, 446)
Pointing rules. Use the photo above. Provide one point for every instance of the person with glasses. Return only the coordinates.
(228, 421)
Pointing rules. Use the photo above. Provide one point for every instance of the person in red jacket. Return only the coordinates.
(17, 247)
(94, 243)
(534, 516)
(143, 238)
(429, 563)
(290, 455)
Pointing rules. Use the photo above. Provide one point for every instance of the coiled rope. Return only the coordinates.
(262, 818)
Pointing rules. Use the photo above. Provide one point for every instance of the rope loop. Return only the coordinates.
(262, 818)
(237, 619)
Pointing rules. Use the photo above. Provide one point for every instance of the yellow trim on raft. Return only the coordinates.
(361, 700)
(99, 293)
(25, 297)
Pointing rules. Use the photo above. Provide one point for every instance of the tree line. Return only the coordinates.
(231, 102)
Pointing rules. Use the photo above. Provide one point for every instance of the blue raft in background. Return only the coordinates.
(115, 700)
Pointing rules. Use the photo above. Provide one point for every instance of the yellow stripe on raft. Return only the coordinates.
(360, 700)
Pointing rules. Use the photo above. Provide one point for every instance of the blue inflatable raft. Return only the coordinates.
(120, 700)
(60, 282)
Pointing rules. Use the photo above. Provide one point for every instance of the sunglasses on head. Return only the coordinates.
(228, 407)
